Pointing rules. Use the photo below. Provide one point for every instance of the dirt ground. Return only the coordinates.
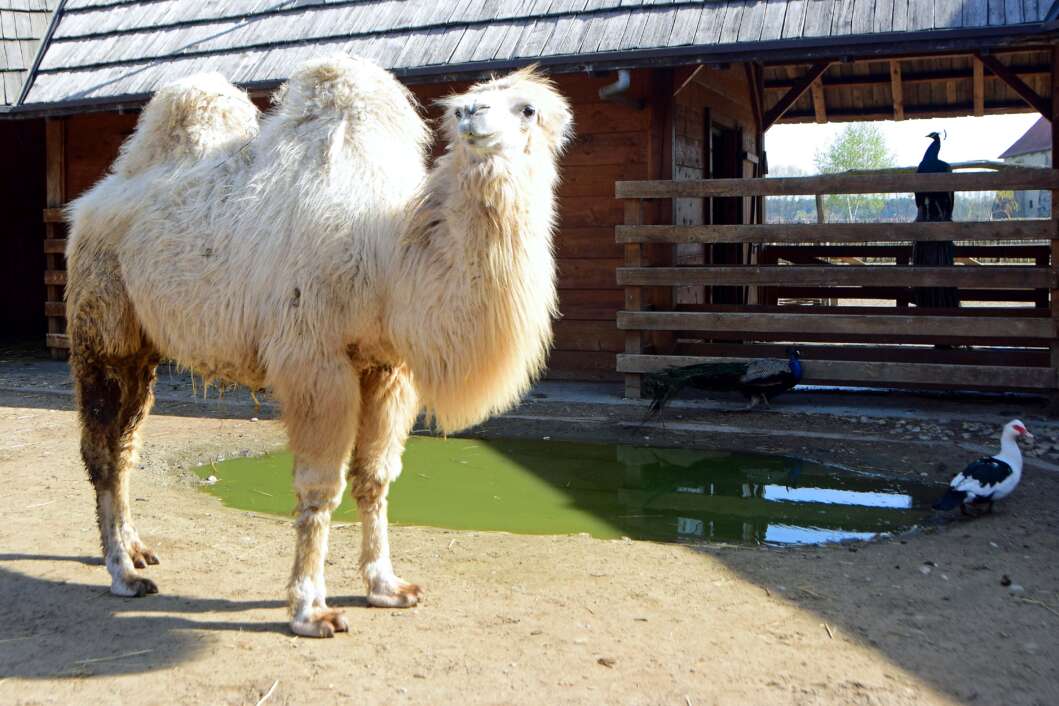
(920, 619)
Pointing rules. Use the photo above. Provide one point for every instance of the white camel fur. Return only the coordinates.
(311, 253)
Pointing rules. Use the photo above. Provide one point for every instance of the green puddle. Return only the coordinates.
(608, 491)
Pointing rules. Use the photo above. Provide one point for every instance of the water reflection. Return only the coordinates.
(539, 487)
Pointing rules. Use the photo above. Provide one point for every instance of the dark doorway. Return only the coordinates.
(22, 321)
(724, 161)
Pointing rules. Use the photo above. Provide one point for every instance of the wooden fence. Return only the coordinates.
(1002, 336)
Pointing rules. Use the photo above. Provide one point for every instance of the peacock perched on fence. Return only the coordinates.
(932, 206)
(757, 380)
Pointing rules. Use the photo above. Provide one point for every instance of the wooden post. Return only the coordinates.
(897, 90)
(819, 101)
(1055, 218)
(633, 295)
(54, 231)
(978, 85)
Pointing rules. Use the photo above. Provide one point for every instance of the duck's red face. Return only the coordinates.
(1021, 432)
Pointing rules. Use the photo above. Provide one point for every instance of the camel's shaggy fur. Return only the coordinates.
(310, 253)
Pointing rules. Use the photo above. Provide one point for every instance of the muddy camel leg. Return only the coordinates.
(321, 419)
(388, 413)
(114, 396)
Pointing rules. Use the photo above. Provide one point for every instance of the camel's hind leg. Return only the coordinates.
(388, 411)
(320, 408)
(114, 395)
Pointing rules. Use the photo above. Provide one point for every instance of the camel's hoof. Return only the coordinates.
(133, 586)
(320, 623)
(142, 556)
(403, 595)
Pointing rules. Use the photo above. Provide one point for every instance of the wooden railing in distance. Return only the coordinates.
(1003, 335)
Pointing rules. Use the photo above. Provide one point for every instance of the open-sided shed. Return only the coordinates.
(689, 90)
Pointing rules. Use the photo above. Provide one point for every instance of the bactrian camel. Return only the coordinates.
(310, 253)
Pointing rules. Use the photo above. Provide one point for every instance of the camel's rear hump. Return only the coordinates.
(189, 120)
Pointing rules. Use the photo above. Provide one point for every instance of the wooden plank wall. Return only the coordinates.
(611, 139)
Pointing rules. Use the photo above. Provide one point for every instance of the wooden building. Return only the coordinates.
(671, 102)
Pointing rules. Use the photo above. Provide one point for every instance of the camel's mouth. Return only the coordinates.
(482, 143)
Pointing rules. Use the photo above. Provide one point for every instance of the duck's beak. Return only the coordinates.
(1028, 436)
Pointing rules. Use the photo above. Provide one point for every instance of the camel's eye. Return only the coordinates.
(529, 111)
(458, 113)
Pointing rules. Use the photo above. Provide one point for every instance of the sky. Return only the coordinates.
(966, 139)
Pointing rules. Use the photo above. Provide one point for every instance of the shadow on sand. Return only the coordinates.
(87, 632)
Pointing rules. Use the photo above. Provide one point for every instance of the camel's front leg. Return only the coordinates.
(388, 412)
(319, 492)
(321, 423)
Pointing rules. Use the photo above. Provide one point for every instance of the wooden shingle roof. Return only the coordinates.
(115, 50)
(23, 23)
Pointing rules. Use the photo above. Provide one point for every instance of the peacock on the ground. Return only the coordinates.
(757, 380)
(933, 206)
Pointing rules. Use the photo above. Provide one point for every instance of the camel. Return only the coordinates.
(311, 253)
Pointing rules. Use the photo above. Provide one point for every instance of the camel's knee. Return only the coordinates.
(318, 490)
(369, 492)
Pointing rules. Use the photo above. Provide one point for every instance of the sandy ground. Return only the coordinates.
(921, 619)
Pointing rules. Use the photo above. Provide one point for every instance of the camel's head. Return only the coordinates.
(518, 114)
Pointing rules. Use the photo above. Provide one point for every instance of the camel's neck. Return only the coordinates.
(477, 291)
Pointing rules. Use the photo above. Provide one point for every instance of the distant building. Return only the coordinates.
(1033, 149)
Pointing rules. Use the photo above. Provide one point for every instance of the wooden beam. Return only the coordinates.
(978, 86)
(1054, 294)
(819, 102)
(1017, 84)
(897, 90)
(875, 372)
(55, 138)
(848, 325)
(58, 340)
(54, 215)
(807, 254)
(930, 110)
(756, 96)
(633, 295)
(985, 277)
(839, 232)
(54, 246)
(887, 183)
(797, 91)
(688, 79)
(55, 199)
(907, 78)
(55, 278)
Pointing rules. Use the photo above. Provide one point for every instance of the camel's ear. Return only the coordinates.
(279, 94)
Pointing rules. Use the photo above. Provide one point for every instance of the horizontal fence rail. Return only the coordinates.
(846, 293)
(1020, 179)
(808, 324)
(838, 232)
(986, 277)
(843, 372)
